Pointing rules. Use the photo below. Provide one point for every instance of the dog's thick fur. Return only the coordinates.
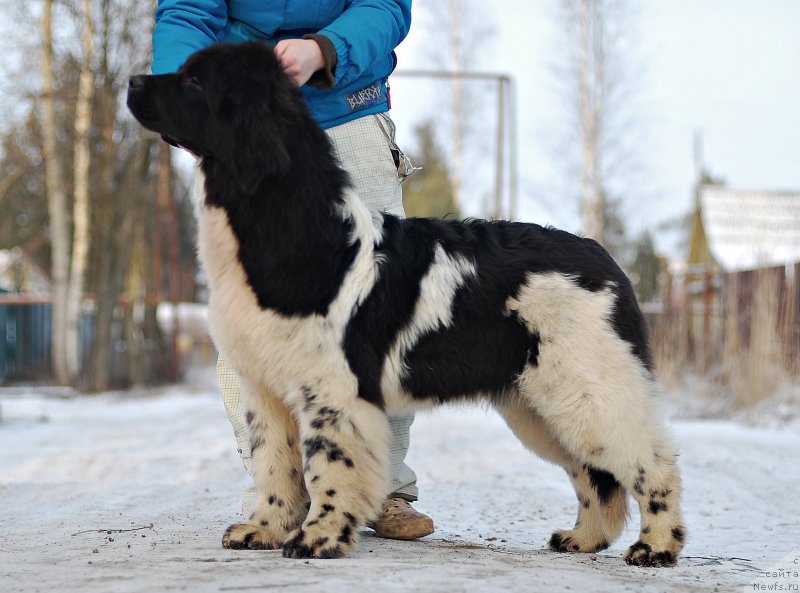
(333, 314)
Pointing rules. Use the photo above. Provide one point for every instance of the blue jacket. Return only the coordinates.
(364, 34)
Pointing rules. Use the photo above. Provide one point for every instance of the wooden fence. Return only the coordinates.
(742, 328)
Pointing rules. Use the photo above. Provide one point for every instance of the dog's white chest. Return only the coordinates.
(280, 351)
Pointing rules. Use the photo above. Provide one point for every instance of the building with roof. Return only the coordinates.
(738, 230)
(20, 274)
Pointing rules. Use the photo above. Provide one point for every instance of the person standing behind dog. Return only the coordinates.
(340, 53)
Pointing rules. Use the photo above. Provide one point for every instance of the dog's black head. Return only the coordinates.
(231, 103)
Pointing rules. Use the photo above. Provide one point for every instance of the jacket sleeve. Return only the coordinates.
(367, 31)
(184, 27)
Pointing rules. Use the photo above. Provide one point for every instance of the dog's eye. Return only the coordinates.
(192, 81)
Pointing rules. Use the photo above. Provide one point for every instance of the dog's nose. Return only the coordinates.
(136, 82)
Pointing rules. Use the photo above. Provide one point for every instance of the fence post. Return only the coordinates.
(708, 305)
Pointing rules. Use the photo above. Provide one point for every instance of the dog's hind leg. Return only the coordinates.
(602, 505)
(591, 387)
(345, 447)
(611, 429)
(276, 470)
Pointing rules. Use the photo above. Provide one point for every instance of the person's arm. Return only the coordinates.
(184, 27)
(367, 30)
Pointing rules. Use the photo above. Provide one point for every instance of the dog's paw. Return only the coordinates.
(244, 536)
(574, 541)
(642, 554)
(313, 540)
(300, 545)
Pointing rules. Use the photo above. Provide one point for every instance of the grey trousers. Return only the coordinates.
(363, 147)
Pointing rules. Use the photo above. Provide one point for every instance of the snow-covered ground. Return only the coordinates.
(131, 492)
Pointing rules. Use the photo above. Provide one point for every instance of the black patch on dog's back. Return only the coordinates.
(486, 347)
(406, 257)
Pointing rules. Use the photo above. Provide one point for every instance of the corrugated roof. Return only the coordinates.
(751, 229)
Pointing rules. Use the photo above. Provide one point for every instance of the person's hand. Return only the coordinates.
(300, 58)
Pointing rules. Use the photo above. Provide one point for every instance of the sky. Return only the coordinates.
(729, 68)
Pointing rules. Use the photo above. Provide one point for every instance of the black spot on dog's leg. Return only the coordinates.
(308, 397)
(294, 548)
(604, 483)
(255, 442)
(331, 553)
(678, 534)
(657, 506)
(660, 559)
(533, 349)
(314, 445)
(640, 546)
(638, 485)
(560, 544)
(345, 535)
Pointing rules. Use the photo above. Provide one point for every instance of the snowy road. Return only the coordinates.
(160, 472)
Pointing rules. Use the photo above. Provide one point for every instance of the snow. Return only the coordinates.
(131, 492)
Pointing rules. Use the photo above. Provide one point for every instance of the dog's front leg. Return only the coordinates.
(276, 469)
(344, 442)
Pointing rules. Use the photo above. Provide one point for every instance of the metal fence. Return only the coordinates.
(24, 338)
(143, 351)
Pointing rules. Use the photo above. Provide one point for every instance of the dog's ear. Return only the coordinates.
(250, 130)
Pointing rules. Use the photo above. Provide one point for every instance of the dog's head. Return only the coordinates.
(230, 103)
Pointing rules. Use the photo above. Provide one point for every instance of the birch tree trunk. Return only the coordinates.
(56, 200)
(109, 231)
(80, 217)
(455, 46)
(591, 89)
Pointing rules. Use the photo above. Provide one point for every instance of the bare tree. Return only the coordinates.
(456, 51)
(57, 199)
(123, 186)
(80, 207)
(594, 72)
(590, 84)
(93, 151)
(466, 32)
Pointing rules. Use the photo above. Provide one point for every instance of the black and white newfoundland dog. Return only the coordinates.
(333, 315)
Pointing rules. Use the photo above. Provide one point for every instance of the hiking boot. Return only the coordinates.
(399, 520)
